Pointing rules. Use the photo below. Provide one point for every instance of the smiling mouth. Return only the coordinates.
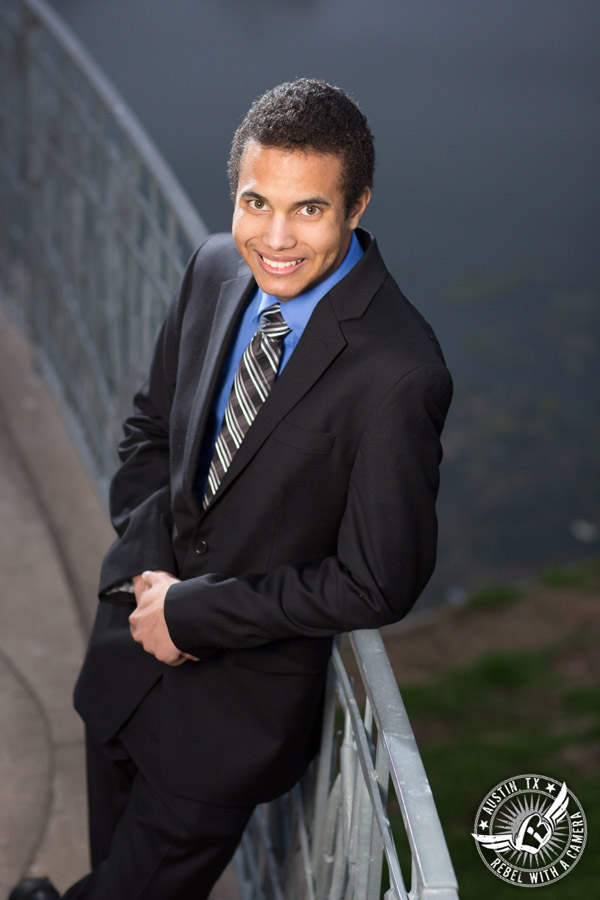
(279, 265)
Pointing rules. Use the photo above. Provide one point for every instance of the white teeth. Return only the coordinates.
(275, 264)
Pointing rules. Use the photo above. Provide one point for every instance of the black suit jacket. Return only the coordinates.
(325, 522)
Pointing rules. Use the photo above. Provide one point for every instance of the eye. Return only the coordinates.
(309, 210)
(255, 203)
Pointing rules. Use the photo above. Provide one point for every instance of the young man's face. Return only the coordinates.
(289, 221)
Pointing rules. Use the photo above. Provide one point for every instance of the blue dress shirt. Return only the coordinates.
(296, 313)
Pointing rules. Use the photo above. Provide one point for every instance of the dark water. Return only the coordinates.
(486, 208)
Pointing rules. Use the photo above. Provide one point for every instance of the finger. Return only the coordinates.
(133, 623)
(190, 657)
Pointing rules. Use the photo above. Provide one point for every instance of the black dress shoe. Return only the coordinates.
(34, 889)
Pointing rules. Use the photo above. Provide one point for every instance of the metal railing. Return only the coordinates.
(328, 838)
(94, 233)
(94, 229)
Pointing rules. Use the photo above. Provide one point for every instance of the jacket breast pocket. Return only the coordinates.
(303, 438)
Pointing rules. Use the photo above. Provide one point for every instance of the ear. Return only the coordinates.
(359, 208)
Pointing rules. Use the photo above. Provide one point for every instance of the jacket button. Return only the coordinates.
(201, 548)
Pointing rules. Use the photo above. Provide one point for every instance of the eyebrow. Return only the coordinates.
(311, 201)
(252, 195)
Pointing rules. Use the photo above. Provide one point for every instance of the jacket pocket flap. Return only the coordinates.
(303, 439)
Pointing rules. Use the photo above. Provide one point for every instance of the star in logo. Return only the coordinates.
(483, 825)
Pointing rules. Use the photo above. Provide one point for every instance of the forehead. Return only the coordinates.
(290, 174)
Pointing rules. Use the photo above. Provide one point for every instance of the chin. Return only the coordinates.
(282, 288)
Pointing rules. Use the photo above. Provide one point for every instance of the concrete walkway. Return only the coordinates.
(53, 533)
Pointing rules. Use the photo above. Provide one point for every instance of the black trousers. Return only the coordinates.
(146, 843)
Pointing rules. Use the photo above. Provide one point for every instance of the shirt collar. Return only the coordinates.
(298, 310)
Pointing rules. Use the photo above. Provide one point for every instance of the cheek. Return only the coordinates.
(318, 239)
(329, 245)
(241, 230)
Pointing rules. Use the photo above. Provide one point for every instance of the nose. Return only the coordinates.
(278, 233)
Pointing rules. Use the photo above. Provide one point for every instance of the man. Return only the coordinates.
(277, 486)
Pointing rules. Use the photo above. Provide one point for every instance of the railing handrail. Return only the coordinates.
(433, 868)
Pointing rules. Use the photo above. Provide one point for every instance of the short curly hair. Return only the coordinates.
(309, 114)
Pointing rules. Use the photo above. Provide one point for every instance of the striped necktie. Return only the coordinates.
(254, 378)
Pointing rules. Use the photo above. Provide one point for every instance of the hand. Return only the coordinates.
(147, 622)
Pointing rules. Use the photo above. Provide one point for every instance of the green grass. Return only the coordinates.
(511, 714)
(585, 576)
(496, 595)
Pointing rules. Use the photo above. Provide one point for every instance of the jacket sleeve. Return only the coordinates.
(386, 545)
(140, 497)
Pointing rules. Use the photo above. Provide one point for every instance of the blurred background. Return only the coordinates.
(485, 208)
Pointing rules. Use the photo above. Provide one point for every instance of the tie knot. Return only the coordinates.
(272, 322)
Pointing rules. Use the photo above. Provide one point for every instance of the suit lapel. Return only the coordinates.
(232, 300)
